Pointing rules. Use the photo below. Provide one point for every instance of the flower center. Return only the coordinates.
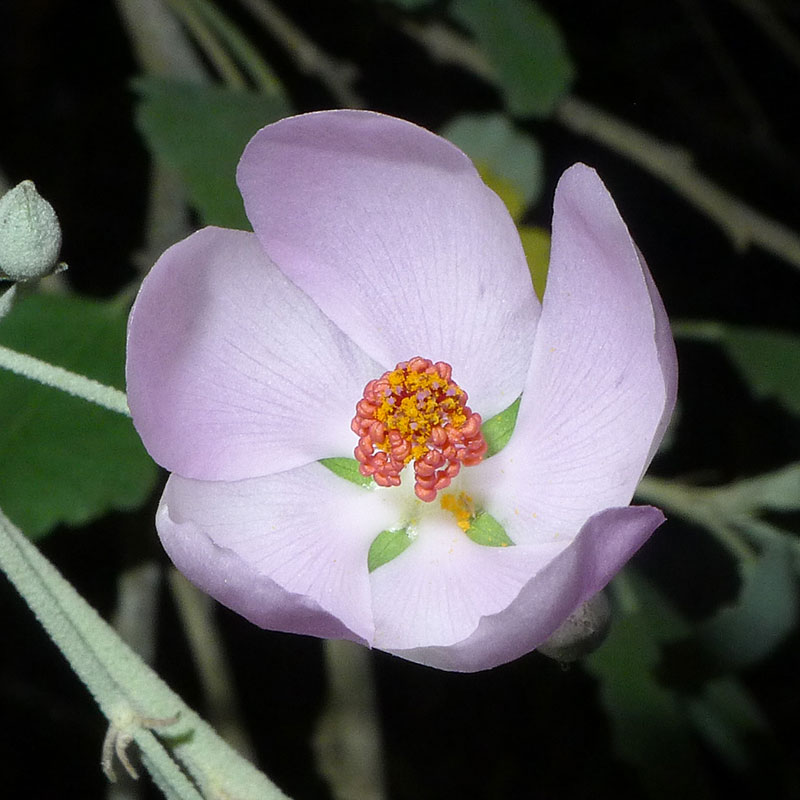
(417, 413)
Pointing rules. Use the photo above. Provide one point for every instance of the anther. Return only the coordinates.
(416, 412)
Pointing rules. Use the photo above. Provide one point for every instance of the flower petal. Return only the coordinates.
(603, 377)
(232, 371)
(435, 593)
(286, 551)
(391, 231)
(551, 594)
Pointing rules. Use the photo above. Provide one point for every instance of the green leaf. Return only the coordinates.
(200, 131)
(775, 491)
(62, 459)
(649, 727)
(526, 48)
(497, 430)
(509, 161)
(765, 614)
(725, 715)
(346, 468)
(768, 360)
(536, 244)
(486, 530)
(386, 546)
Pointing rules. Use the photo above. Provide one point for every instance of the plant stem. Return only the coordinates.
(347, 740)
(196, 611)
(695, 505)
(673, 165)
(69, 382)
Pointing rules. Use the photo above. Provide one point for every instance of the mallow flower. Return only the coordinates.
(334, 394)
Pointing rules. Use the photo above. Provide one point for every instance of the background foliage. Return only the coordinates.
(130, 118)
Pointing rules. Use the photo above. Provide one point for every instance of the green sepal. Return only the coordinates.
(486, 530)
(386, 546)
(497, 430)
(346, 468)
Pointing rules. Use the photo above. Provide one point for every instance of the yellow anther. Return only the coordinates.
(460, 506)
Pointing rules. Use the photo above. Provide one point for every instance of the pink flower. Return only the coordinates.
(375, 244)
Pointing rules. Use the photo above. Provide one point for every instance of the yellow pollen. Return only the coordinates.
(418, 402)
(416, 412)
(461, 507)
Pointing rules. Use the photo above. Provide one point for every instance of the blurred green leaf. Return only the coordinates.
(774, 491)
(766, 612)
(768, 360)
(508, 160)
(536, 244)
(409, 5)
(62, 459)
(650, 729)
(200, 131)
(724, 714)
(526, 48)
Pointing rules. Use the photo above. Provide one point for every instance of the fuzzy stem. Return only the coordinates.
(69, 382)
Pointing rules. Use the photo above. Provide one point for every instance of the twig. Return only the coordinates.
(743, 224)
(347, 740)
(160, 45)
(772, 27)
(337, 76)
(696, 505)
(673, 165)
(207, 41)
(445, 45)
(162, 48)
(240, 47)
(196, 611)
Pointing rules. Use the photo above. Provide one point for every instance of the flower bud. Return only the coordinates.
(581, 633)
(30, 236)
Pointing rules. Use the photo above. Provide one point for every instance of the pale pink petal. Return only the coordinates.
(602, 382)
(391, 231)
(554, 590)
(232, 371)
(435, 593)
(286, 551)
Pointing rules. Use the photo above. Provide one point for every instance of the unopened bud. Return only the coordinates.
(30, 236)
(581, 633)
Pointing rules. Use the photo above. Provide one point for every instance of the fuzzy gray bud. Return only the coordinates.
(581, 633)
(30, 236)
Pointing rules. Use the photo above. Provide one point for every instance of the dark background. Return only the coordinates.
(694, 73)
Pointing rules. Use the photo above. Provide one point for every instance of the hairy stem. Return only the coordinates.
(60, 378)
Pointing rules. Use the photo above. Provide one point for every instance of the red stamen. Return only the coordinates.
(417, 413)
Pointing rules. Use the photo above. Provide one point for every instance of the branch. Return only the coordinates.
(337, 76)
(673, 165)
